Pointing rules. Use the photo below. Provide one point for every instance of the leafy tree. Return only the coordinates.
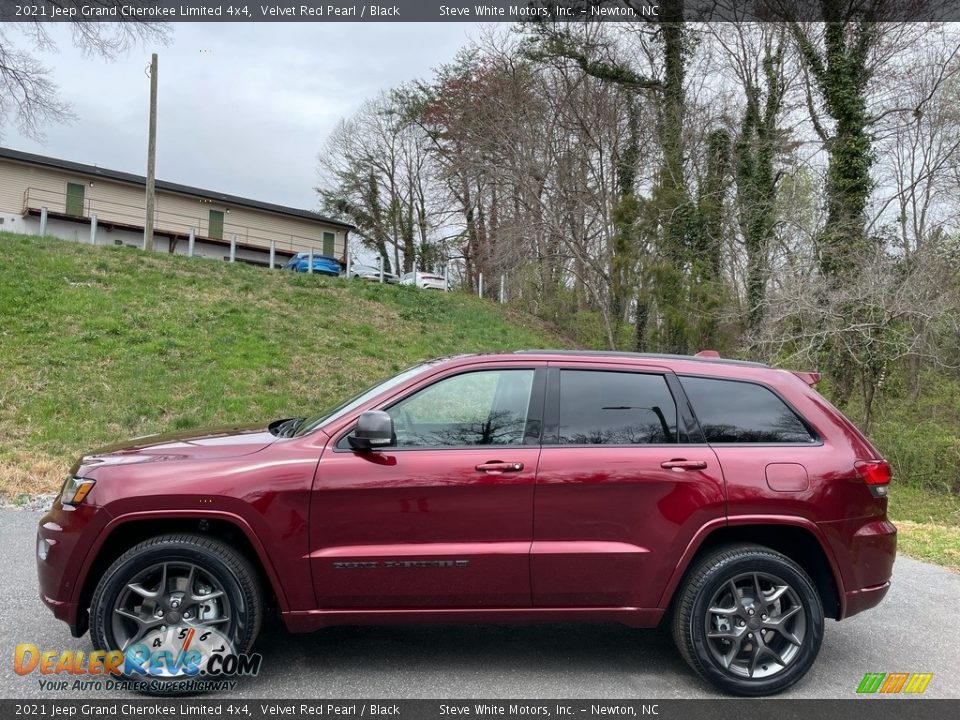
(706, 281)
(670, 199)
(757, 178)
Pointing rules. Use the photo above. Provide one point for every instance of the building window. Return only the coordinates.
(74, 205)
(328, 244)
(215, 225)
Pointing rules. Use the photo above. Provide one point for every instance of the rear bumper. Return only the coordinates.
(866, 549)
(864, 599)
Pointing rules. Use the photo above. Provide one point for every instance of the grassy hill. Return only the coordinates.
(100, 344)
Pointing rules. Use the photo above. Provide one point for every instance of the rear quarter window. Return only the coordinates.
(733, 411)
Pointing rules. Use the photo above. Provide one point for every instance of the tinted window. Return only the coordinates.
(615, 408)
(740, 412)
(480, 408)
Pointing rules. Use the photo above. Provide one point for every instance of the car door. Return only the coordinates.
(622, 486)
(442, 518)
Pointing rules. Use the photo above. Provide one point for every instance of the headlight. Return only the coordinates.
(75, 490)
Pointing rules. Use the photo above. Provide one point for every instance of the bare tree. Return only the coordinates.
(646, 58)
(375, 172)
(541, 165)
(29, 97)
(871, 320)
(757, 56)
(918, 166)
(919, 154)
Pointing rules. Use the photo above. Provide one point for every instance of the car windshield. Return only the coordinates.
(347, 406)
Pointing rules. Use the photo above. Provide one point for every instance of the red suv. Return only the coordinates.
(727, 498)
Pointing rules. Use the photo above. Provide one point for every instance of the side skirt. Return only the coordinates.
(310, 620)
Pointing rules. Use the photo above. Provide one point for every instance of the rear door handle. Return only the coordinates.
(498, 467)
(681, 464)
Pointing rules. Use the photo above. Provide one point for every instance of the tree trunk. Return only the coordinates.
(670, 195)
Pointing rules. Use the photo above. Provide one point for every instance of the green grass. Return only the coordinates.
(100, 344)
(921, 439)
(928, 524)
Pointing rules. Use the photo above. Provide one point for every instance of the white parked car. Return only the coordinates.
(368, 272)
(426, 281)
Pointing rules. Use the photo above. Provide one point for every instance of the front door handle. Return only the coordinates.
(681, 464)
(496, 466)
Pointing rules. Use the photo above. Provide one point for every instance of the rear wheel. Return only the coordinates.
(749, 620)
(174, 593)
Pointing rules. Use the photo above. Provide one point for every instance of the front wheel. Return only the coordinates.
(171, 595)
(749, 620)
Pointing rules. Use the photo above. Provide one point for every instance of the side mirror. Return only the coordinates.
(374, 429)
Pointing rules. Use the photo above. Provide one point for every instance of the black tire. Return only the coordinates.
(734, 656)
(226, 570)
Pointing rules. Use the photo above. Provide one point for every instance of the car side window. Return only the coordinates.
(599, 407)
(487, 407)
(732, 411)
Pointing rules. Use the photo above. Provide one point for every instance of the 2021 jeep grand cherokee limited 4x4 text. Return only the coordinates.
(726, 498)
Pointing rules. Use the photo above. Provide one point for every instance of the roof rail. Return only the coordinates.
(647, 356)
(708, 354)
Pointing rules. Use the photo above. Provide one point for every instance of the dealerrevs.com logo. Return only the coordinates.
(191, 659)
(894, 683)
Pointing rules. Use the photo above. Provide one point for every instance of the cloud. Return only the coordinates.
(243, 108)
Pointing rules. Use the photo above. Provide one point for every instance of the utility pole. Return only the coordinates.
(151, 158)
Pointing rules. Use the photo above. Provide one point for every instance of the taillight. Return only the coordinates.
(875, 474)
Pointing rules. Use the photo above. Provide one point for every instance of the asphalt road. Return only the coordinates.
(916, 629)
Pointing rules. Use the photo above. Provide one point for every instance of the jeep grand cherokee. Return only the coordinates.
(726, 498)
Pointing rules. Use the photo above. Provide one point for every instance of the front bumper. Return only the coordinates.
(65, 535)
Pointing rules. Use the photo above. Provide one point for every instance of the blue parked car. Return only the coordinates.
(322, 264)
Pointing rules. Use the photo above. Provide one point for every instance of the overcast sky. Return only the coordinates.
(243, 108)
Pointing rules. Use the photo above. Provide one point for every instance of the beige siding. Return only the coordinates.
(122, 203)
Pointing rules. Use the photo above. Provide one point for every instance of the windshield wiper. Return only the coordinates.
(286, 428)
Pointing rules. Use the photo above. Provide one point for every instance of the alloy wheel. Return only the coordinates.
(169, 594)
(755, 625)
